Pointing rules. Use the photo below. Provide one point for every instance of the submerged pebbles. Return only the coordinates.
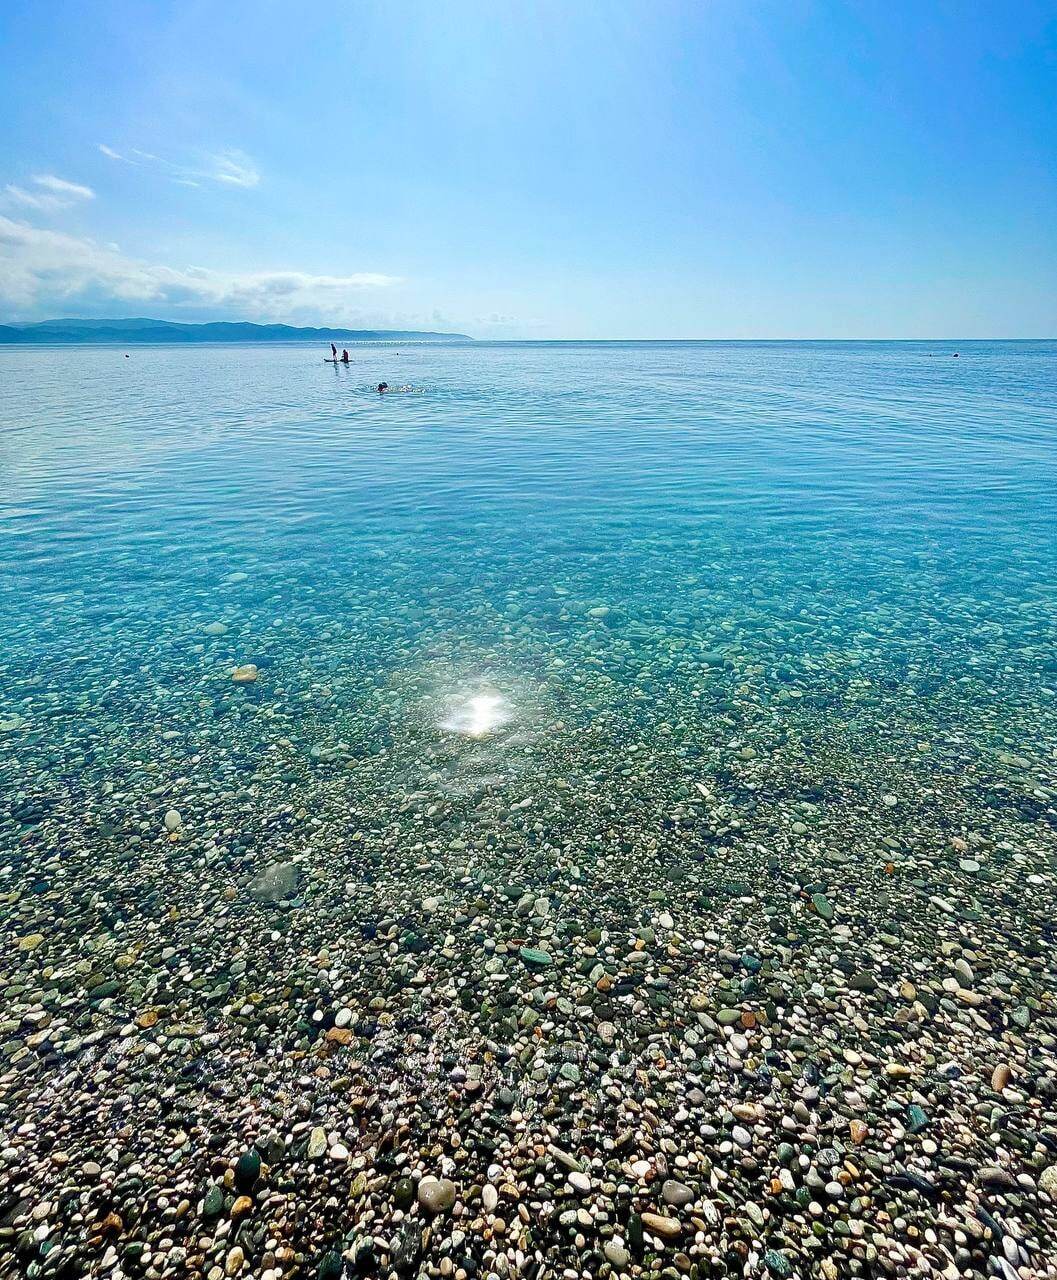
(729, 953)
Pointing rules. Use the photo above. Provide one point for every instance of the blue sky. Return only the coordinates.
(713, 168)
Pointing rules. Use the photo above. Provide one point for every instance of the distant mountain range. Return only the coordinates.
(128, 332)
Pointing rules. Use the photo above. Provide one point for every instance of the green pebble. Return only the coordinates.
(330, 1266)
(213, 1202)
(777, 1263)
(247, 1170)
(917, 1118)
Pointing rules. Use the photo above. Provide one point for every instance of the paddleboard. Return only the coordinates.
(327, 360)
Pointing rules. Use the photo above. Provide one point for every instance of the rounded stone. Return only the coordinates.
(676, 1193)
(436, 1195)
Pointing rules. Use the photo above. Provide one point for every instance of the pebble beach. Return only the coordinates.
(578, 842)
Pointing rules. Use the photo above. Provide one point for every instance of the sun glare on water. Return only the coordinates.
(476, 715)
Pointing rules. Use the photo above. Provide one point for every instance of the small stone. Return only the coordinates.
(173, 821)
(616, 1255)
(245, 674)
(535, 958)
(331, 1266)
(30, 942)
(659, 1225)
(317, 1143)
(579, 1182)
(404, 1194)
(213, 1202)
(677, 1194)
(437, 1195)
(1048, 1181)
(241, 1207)
(916, 1118)
(275, 883)
(1001, 1076)
(777, 1264)
(247, 1170)
(822, 905)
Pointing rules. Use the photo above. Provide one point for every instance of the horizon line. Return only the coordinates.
(411, 335)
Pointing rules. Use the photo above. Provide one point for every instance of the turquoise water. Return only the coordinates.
(786, 504)
(592, 681)
(855, 536)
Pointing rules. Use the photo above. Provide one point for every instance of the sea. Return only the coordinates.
(618, 778)
(809, 517)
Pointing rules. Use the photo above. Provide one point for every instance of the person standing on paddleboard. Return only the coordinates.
(333, 351)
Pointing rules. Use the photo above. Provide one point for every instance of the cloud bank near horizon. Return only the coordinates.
(43, 270)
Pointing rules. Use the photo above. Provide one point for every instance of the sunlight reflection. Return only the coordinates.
(477, 714)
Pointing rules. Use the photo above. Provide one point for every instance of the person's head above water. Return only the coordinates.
(383, 386)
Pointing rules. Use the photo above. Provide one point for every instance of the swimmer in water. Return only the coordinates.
(382, 387)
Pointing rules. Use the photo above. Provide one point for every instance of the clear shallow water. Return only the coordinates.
(638, 527)
(705, 491)
(721, 676)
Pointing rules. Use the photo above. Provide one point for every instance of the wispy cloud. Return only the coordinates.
(233, 169)
(41, 269)
(68, 190)
(230, 168)
(47, 193)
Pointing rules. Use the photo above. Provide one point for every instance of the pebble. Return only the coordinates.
(659, 1225)
(617, 1255)
(1001, 1076)
(437, 1195)
(677, 1194)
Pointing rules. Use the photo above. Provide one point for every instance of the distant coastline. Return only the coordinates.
(129, 332)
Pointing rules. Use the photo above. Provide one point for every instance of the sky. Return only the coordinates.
(535, 168)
